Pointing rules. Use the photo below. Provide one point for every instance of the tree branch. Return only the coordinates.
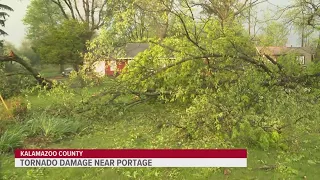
(41, 80)
(69, 4)
(77, 10)
(100, 20)
(57, 2)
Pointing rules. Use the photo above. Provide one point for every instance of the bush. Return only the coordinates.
(5, 114)
(14, 85)
(52, 127)
(17, 109)
(83, 79)
(11, 139)
(60, 101)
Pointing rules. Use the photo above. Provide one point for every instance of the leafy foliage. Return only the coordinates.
(64, 43)
(212, 69)
(212, 87)
(274, 34)
(14, 80)
(53, 127)
(11, 139)
(17, 109)
(40, 17)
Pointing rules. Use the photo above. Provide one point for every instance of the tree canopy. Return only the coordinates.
(274, 34)
(63, 43)
(40, 17)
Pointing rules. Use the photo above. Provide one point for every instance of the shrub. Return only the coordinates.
(11, 139)
(52, 127)
(17, 109)
(5, 114)
(60, 101)
(13, 85)
(84, 79)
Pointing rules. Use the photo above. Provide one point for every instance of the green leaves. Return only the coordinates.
(274, 34)
(210, 67)
(40, 17)
(63, 44)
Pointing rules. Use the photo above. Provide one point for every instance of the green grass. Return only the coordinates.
(10, 172)
(49, 126)
(138, 129)
(11, 139)
(50, 71)
(43, 100)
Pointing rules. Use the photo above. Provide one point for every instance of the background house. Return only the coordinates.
(131, 50)
(116, 65)
(303, 54)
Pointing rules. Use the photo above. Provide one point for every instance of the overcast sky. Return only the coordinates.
(14, 26)
(16, 29)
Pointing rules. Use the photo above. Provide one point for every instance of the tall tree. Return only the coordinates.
(40, 17)
(45, 17)
(153, 19)
(301, 17)
(93, 13)
(273, 34)
(64, 43)
(306, 12)
(305, 16)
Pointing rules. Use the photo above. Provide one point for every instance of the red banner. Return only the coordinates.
(131, 153)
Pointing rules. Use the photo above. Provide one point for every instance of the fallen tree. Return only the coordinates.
(14, 58)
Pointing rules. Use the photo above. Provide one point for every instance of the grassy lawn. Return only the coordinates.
(50, 70)
(139, 128)
(110, 137)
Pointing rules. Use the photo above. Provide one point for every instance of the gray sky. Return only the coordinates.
(14, 26)
(16, 29)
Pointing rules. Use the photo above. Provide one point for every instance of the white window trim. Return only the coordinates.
(301, 59)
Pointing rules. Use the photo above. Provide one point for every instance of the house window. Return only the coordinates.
(301, 60)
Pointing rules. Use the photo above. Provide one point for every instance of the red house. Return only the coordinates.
(113, 67)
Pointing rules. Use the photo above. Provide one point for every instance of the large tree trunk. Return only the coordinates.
(41, 80)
